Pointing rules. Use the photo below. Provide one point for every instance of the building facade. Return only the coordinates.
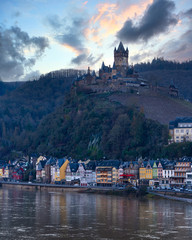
(180, 130)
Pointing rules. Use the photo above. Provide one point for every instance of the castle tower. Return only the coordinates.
(121, 60)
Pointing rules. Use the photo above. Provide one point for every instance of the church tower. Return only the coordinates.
(121, 60)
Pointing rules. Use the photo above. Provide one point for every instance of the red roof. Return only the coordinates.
(127, 175)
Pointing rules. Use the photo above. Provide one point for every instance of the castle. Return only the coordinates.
(120, 77)
(120, 65)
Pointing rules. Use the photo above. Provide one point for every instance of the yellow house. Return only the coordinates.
(145, 171)
(142, 173)
(115, 175)
(1, 172)
(149, 171)
(60, 169)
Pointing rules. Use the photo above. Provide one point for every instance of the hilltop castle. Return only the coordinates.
(120, 65)
(120, 77)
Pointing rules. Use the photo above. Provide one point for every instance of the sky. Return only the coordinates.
(39, 36)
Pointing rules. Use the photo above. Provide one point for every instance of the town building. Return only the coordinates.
(180, 130)
(181, 168)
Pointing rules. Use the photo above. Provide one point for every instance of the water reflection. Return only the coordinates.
(49, 215)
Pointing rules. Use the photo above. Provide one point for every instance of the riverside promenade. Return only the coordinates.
(50, 187)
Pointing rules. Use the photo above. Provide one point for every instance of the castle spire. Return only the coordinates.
(103, 65)
(88, 71)
(121, 47)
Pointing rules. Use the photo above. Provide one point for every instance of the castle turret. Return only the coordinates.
(114, 70)
(121, 59)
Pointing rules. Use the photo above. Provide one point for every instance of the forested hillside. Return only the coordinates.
(93, 127)
(6, 87)
(22, 109)
(46, 117)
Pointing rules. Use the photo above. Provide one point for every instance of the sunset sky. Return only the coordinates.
(39, 36)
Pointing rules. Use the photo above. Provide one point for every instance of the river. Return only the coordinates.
(71, 215)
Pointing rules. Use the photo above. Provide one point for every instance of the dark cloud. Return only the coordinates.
(86, 58)
(79, 59)
(188, 13)
(157, 19)
(14, 44)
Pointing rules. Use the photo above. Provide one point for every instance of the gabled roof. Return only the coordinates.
(61, 161)
(73, 167)
(51, 161)
(91, 165)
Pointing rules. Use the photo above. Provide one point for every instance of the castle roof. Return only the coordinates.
(103, 65)
(121, 47)
(114, 67)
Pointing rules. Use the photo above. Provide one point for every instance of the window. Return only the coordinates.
(177, 130)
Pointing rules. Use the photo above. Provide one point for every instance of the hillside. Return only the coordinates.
(22, 109)
(38, 116)
(91, 126)
(182, 79)
(155, 105)
(6, 87)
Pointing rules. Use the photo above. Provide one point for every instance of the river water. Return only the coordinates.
(70, 215)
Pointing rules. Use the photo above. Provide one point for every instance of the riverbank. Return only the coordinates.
(79, 189)
(96, 190)
(183, 198)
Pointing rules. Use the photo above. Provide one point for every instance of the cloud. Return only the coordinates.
(71, 33)
(111, 16)
(85, 58)
(53, 21)
(178, 49)
(157, 19)
(18, 52)
(140, 57)
(188, 13)
(16, 14)
(34, 75)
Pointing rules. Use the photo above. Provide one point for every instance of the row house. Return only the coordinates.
(151, 172)
(129, 172)
(51, 162)
(107, 173)
(89, 177)
(40, 170)
(180, 170)
(58, 170)
(72, 175)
